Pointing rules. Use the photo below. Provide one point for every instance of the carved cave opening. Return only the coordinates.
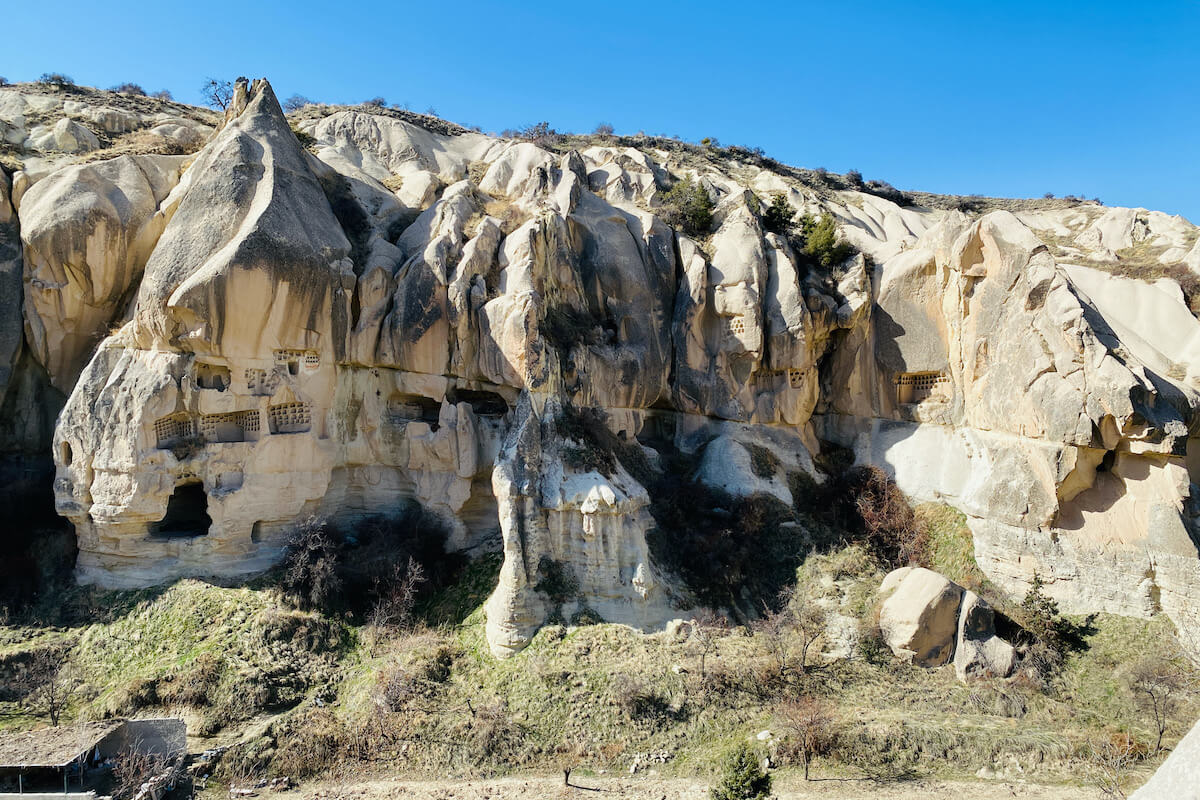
(187, 513)
(212, 376)
(404, 408)
(484, 404)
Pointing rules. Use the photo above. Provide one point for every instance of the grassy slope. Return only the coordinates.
(307, 687)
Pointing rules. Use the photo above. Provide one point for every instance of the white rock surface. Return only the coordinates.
(296, 338)
(1178, 778)
(919, 615)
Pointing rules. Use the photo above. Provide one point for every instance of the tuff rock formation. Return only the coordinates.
(1178, 777)
(406, 311)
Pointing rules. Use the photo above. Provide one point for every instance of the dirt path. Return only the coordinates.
(652, 788)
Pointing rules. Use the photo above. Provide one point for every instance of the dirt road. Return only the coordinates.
(652, 788)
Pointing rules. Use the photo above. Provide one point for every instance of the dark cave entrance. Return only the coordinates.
(187, 513)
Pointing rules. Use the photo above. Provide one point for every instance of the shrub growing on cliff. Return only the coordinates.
(56, 79)
(822, 245)
(687, 205)
(380, 565)
(779, 216)
(310, 568)
(217, 93)
(129, 88)
(868, 505)
(296, 102)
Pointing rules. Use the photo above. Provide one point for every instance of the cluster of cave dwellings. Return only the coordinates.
(915, 387)
(771, 377)
(232, 426)
(184, 427)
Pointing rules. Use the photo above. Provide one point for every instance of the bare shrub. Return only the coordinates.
(129, 88)
(1157, 684)
(56, 79)
(310, 567)
(808, 726)
(422, 678)
(217, 93)
(1111, 760)
(789, 631)
(162, 94)
(706, 629)
(296, 102)
(132, 769)
(635, 699)
(492, 733)
(397, 597)
(867, 503)
(540, 133)
(48, 684)
(604, 129)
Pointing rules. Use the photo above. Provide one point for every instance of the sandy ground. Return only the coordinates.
(651, 788)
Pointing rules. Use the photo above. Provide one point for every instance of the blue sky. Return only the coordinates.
(1004, 98)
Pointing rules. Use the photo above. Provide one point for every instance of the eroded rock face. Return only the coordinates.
(87, 232)
(574, 541)
(1000, 381)
(403, 314)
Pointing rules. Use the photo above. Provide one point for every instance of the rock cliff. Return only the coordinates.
(405, 310)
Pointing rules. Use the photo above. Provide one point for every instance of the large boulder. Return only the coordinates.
(978, 651)
(1178, 778)
(65, 136)
(919, 617)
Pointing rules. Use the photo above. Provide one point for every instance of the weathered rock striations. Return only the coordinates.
(406, 313)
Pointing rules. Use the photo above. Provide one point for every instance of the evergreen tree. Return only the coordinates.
(741, 777)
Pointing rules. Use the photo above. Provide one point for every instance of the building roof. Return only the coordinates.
(52, 747)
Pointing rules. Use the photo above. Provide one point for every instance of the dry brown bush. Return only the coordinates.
(1111, 761)
(808, 727)
(133, 768)
(313, 742)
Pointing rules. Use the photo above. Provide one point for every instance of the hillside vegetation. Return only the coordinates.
(309, 694)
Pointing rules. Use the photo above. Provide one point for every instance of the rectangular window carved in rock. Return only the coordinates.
(256, 381)
(290, 418)
(915, 387)
(228, 427)
(173, 429)
(295, 359)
